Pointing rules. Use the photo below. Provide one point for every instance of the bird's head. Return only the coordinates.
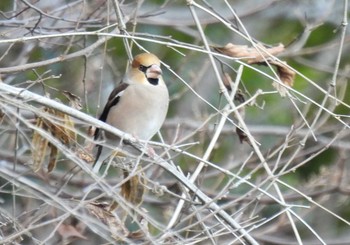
(145, 68)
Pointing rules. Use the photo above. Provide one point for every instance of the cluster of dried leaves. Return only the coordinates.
(132, 190)
(61, 127)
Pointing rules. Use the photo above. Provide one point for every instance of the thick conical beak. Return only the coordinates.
(153, 71)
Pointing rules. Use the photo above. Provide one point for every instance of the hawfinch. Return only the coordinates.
(139, 104)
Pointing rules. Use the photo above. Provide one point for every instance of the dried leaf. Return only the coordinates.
(69, 231)
(242, 136)
(133, 189)
(262, 55)
(239, 97)
(61, 132)
(2, 114)
(116, 226)
(74, 100)
(39, 147)
(285, 74)
(251, 54)
(86, 152)
(227, 81)
(100, 210)
(85, 155)
(69, 125)
(52, 158)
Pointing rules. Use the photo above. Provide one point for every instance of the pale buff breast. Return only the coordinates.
(148, 109)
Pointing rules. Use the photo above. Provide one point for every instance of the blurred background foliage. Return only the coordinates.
(310, 30)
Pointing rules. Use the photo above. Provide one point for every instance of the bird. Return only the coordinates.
(137, 106)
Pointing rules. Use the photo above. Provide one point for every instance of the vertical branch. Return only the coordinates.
(122, 27)
(343, 27)
(14, 188)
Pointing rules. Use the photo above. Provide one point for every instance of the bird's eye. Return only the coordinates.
(143, 68)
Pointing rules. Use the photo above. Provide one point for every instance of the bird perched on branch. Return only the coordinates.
(137, 106)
